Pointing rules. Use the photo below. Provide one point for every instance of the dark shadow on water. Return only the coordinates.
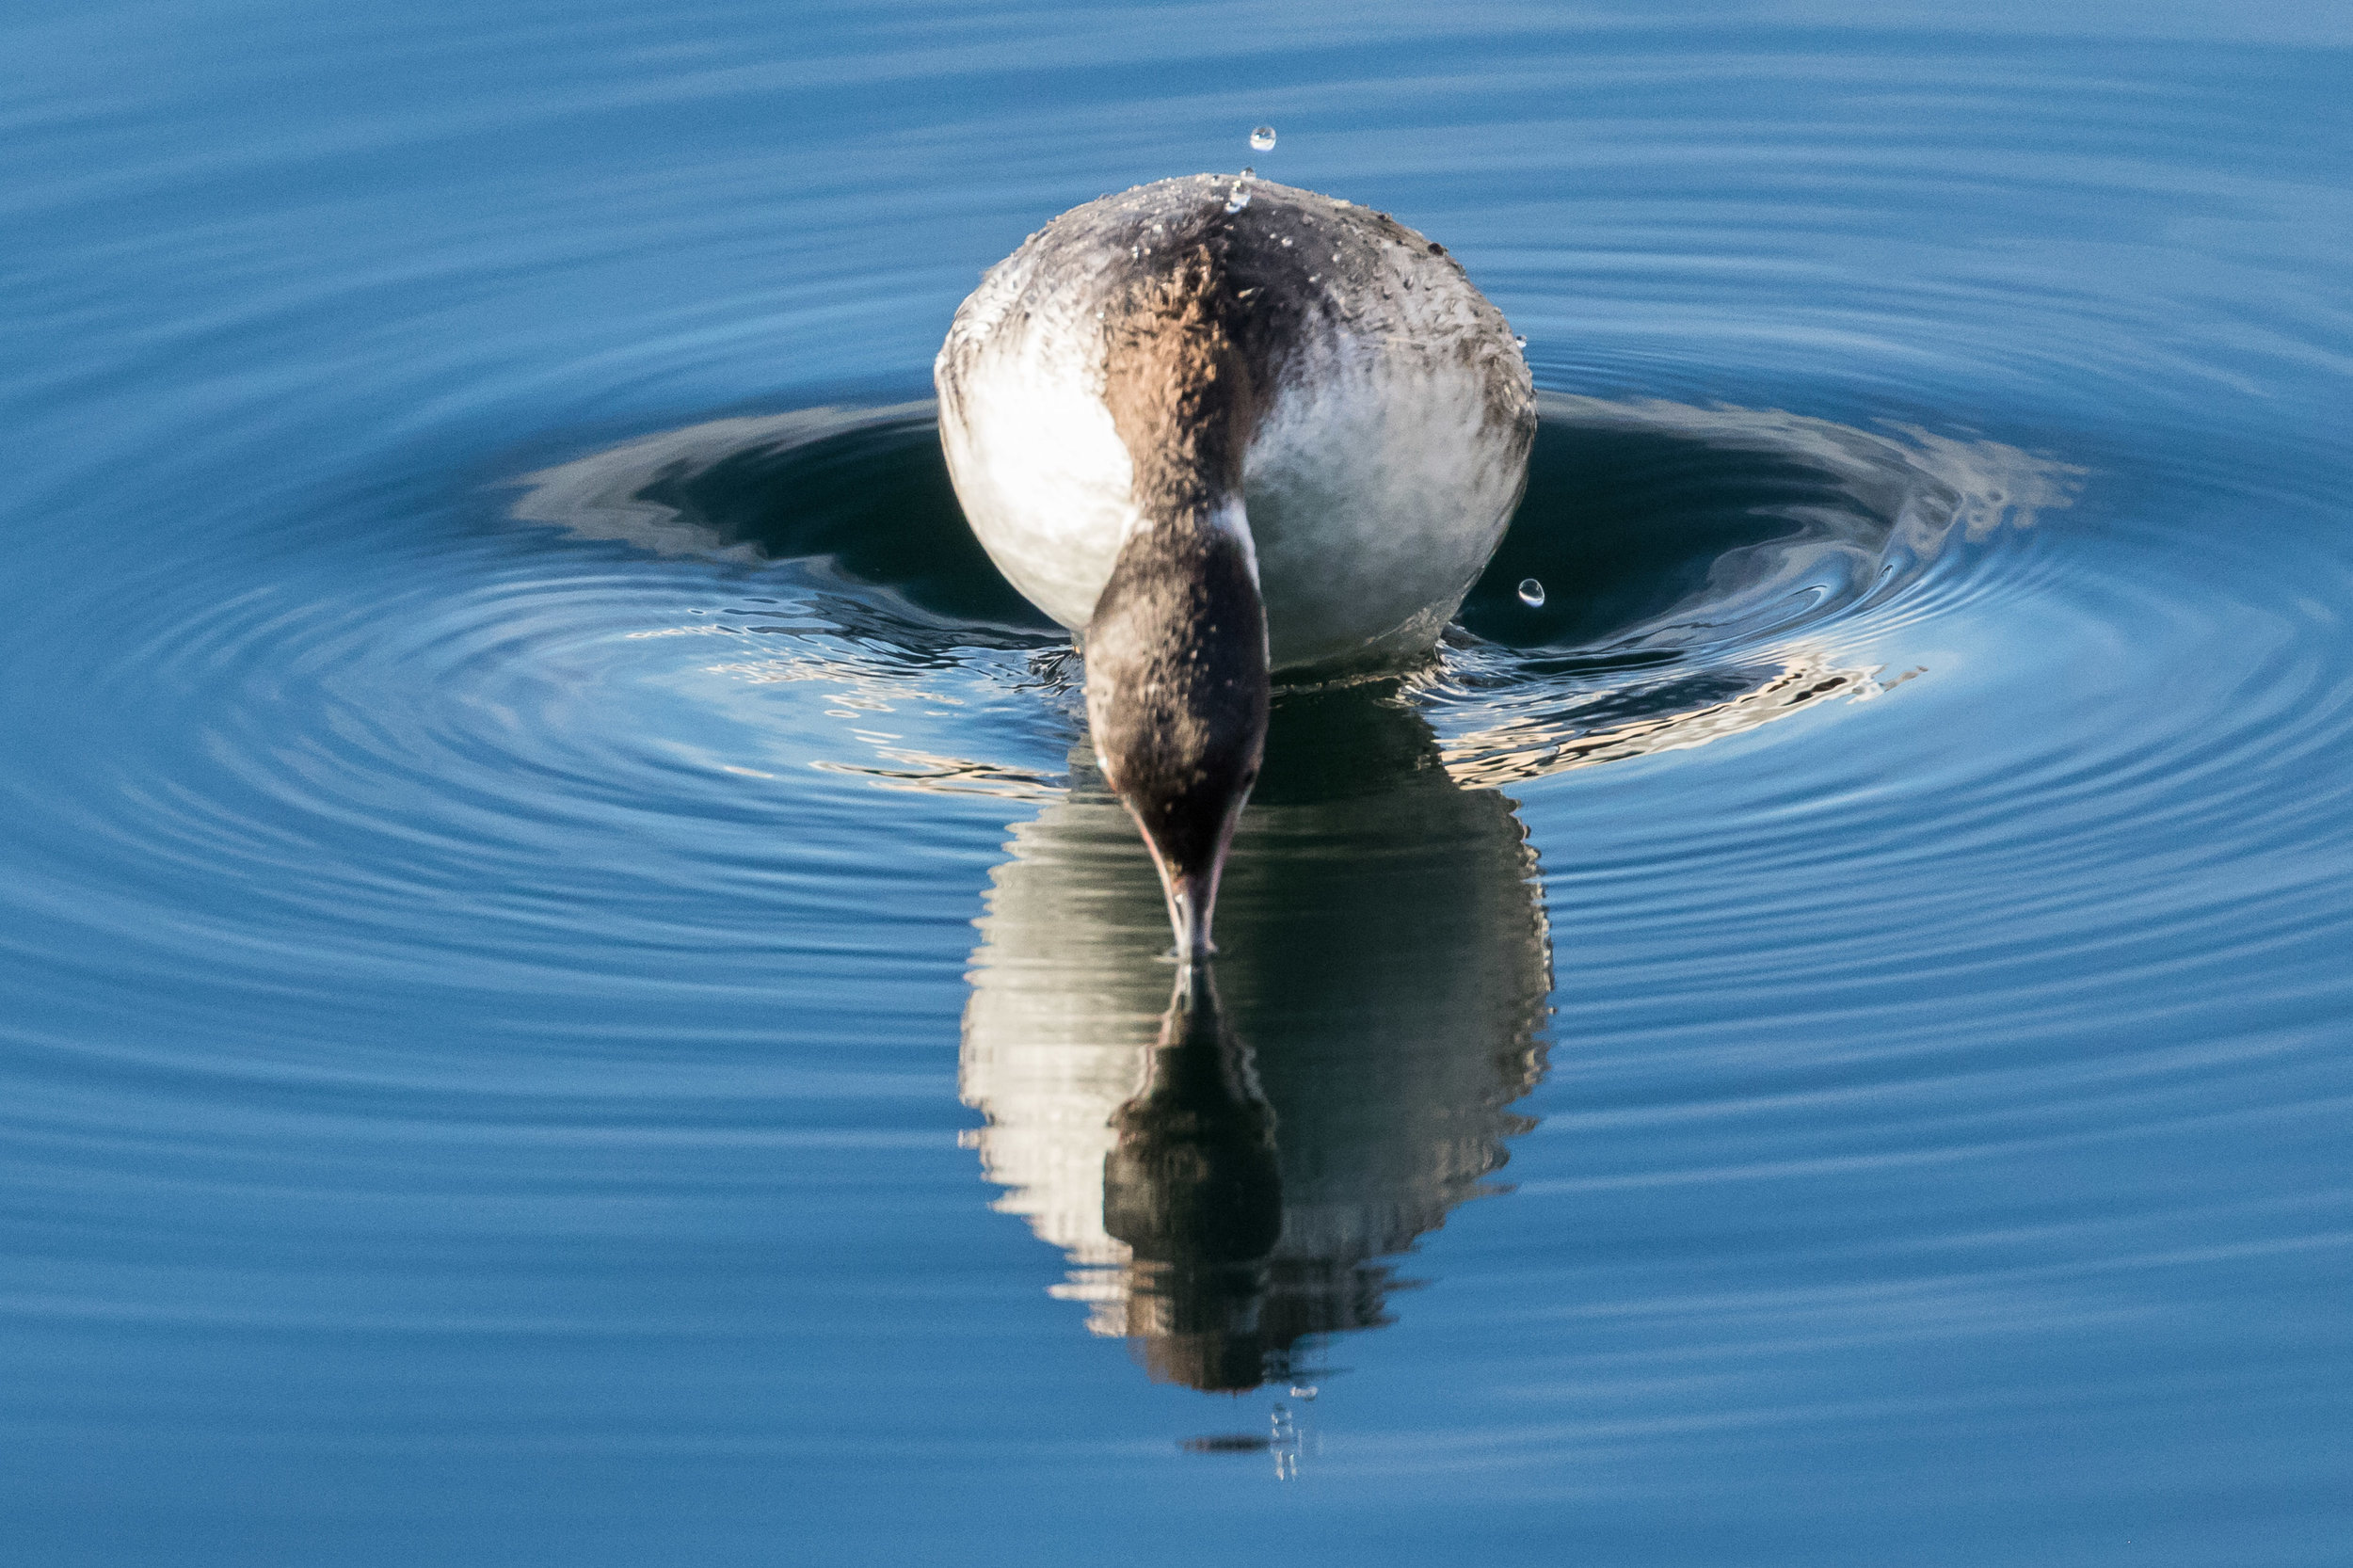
(1624, 527)
(872, 503)
(1655, 528)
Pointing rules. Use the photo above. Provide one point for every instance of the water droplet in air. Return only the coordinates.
(1519, 339)
(1531, 593)
(1248, 174)
(1305, 1391)
(1240, 199)
(1262, 139)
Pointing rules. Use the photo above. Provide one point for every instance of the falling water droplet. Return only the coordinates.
(1305, 1391)
(1262, 139)
(1520, 339)
(1249, 173)
(1531, 593)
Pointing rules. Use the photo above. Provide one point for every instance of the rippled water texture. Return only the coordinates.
(573, 996)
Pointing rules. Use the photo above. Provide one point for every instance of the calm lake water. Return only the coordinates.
(572, 996)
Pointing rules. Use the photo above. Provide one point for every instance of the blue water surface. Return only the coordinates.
(572, 991)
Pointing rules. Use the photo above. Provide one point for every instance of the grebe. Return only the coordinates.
(1223, 430)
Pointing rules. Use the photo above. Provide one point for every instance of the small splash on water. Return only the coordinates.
(1262, 138)
(1283, 1442)
(1531, 593)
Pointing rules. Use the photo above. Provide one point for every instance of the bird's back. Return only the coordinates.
(1389, 409)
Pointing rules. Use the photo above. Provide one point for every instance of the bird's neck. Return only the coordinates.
(1177, 648)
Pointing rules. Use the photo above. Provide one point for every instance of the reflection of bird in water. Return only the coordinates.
(1221, 431)
(1194, 1190)
(1229, 1169)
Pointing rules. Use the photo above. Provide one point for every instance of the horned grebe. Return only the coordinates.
(1221, 431)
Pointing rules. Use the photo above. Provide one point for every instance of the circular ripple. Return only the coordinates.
(479, 955)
